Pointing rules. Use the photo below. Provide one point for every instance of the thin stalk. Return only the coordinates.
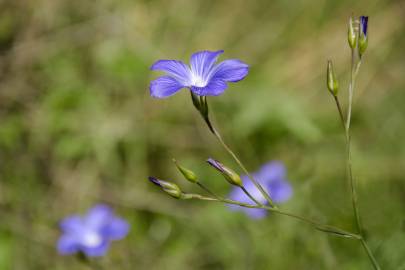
(254, 181)
(233, 155)
(351, 85)
(202, 106)
(339, 107)
(370, 254)
(317, 225)
(353, 75)
(202, 186)
(250, 195)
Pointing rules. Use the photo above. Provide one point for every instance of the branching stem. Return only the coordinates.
(233, 155)
(353, 75)
(322, 227)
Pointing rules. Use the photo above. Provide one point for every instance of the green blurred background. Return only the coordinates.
(78, 127)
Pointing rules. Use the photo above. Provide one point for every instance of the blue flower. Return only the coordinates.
(272, 176)
(203, 77)
(363, 25)
(92, 233)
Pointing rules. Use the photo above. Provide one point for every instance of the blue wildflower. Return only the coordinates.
(92, 233)
(203, 77)
(272, 176)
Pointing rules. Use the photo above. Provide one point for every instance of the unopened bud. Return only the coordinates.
(231, 176)
(352, 33)
(331, 81)
(188, 174)
(168, 187)
(363, 37)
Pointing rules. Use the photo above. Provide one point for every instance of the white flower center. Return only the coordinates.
(197, 80)
(91, 239)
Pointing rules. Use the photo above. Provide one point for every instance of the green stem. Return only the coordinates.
(317, 225)
(339, 107)
(370, 254)
(250, 195)
(202, 186)
(230, 152)
(353, 75)
(202, 106)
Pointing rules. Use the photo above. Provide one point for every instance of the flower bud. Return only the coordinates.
(352, 33)
(331, 81)
(188, 174)
(363, 37)
(231, 176)
(170, 188)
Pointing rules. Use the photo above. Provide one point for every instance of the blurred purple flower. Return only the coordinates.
(92, 233)
(272, 176)
(203, 77)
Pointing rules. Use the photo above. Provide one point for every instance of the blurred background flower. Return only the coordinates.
(92, 233)
(272, 177)
(78, 126)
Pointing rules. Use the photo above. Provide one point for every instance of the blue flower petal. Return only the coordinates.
(237, 194)
(116, 229)
(98, 216)
(202, 63)
(164, 86)
(177, 69)
(272, 178)
(67, 245)
(72, 224)
(214, 88)
(232, 70)
(280, 191)
(271, 171)
(96, 251)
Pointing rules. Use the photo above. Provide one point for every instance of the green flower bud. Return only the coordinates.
(188, 174)
(352, 33)
(232, 177)
(168, 187)
(331, 81)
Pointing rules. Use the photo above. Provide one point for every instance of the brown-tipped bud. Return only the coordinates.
(168, 187)
(188, 174)
(352, 33)
(231, 176)
(331, 81)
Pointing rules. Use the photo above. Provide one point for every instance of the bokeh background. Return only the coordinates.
(78, 127)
